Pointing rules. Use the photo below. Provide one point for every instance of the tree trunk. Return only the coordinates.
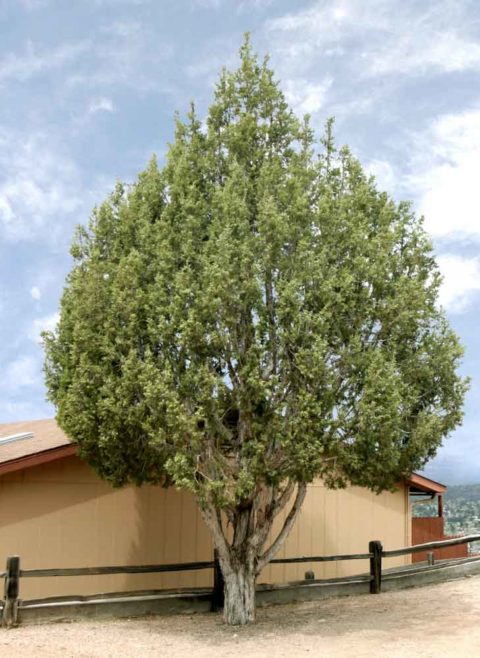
(239, 607)
(241, 560)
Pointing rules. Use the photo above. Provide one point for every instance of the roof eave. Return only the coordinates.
(35, 459)
(424, 484)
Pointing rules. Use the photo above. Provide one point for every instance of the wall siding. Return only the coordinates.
(61, 515)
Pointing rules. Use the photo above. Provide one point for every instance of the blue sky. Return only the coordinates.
(88, 91)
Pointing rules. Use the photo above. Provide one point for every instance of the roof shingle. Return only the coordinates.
(46, 435)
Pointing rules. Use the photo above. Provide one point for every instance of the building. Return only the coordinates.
(431, 528)
(55, 512)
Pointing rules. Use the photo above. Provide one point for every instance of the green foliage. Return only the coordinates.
(251, 313)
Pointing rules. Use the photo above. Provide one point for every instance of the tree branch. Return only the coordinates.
(270, 304)
(287, 526)
(272, 508)
(283, 499)
(213, 520)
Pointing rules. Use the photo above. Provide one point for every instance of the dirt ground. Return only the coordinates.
(435, 621)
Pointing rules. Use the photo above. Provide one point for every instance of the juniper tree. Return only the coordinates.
(251, 316)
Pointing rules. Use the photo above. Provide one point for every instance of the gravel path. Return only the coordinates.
(435, 621)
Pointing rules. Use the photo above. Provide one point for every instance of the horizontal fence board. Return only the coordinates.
(321, 558)
(99, 571)
(73, 598)
(123, 597)
(193, 566)
(165, 568)
(418, 548)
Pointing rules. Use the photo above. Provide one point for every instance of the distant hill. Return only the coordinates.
(463, 491)
(461, 509)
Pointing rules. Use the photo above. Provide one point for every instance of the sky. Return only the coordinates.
(88, 93)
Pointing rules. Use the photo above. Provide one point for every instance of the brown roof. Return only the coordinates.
(421, 484)
(48, 442)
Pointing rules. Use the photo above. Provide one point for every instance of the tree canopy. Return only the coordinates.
(252, 315)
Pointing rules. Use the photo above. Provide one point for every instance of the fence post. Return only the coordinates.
(218, 598)
(11, 591)
(376, 548)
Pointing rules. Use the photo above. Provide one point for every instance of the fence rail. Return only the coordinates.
(375, 555)
(321, 558)
(443, 543)
(103, 571)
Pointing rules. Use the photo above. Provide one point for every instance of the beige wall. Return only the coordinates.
(343, 522)
(61, 515)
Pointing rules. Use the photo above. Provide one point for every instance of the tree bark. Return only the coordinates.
(241, 559)
(239, 606)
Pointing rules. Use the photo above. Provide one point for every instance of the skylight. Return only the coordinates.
(15, 437)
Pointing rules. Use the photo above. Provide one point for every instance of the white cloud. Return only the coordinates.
(384, 175)
(379, 37)
(306, 97)
(6, 210)
(102, 104)
(124, 53)
(32, 60)
(442, 49)
(461, 281)
(122, 29)
(45, 323)
(35, 292)
(320, 19)
(119, 53)
(116, 3)
(208, 4)
(45, 278)
(207, 63)
(24, 410)
(20, 373)
(43, 193)
(38, 183)
(446, 169)
(256, 5)
(31, 5)
(241, 5)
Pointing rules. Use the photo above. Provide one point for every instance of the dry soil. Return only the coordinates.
(435, 621)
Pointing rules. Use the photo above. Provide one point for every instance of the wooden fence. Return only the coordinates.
(13, 573)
